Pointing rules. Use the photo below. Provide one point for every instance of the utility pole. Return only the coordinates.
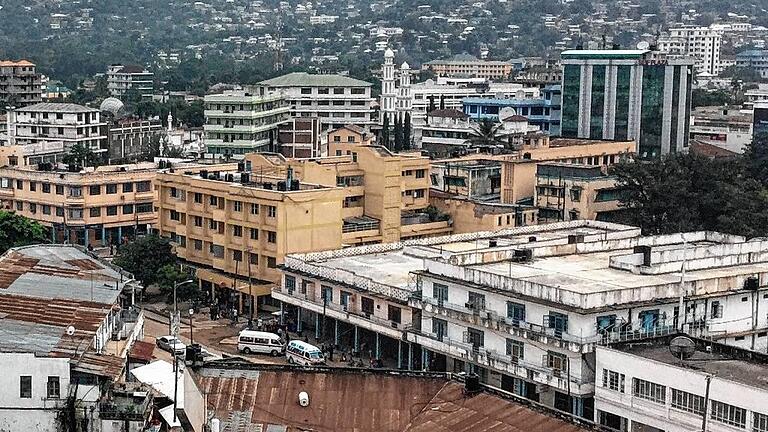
(706, 405)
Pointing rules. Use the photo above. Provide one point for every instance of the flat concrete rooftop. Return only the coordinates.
(724, 366)
(582, 264)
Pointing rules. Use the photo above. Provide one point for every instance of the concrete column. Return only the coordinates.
(299, 325)
(357, 340)
(282, 311)
(85, 237)
(103, 236)
(53, 234)
(317, 326)
(119, 234)
(399, 354)
(424, 359)
(336, 332)
(378, 345)
(410, 356)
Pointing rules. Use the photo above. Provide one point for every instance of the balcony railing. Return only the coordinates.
(479, 315)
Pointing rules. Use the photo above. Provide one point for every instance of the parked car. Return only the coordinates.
(172, 344)
(250, 341)
(302, 353)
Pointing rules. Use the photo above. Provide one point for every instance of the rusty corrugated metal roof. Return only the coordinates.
(40, 324)
(142, 351)
(343, 400)
(98, 364)
(451, 411)
(338, 401)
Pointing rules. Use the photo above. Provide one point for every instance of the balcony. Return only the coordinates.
(501, 362)
(348, 314)
(481, 317)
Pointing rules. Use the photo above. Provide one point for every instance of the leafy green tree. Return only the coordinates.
(385, 132)
(398, 133)
(82, 156)
(16, 230)
(702, 97)
(485, 134)
(407, 132)
(145, 256)
(169, 274)
(688, 192)
(756, 158)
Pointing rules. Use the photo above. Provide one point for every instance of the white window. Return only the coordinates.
(728, 414)
(613, 380)
(760, 422)
(687, 402)
(649, 390)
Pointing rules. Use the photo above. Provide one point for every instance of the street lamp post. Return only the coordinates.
(174, 332)
(191, 335)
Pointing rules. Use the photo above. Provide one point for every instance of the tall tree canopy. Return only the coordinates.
(688, 192)
(16, 230)
(145, 256)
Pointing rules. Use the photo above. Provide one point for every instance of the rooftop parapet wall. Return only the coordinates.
(347, 277)
(695, 257)
(435, 242)
(586, 299)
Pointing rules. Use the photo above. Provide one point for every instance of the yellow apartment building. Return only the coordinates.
(386, 195)
(236, 227)
(566, 192)
(93, 207)
(518, 171)
(491, 192)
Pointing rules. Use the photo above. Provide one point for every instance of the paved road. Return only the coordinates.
(205, 332)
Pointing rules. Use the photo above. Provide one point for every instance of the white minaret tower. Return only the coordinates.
(388, 92)
(404, 102)
(170, 122)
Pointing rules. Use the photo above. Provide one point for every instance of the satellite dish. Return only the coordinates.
(682, 347)
(643, 45)
(70, 330)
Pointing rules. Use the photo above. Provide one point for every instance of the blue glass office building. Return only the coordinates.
(627, 95)
(543, 112)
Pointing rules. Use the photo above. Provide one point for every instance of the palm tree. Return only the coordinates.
(485, 135)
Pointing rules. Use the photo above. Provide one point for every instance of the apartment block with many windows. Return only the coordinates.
(243, 121)
(126, 79)
(700, 43)
(96, 207)
(57, 127)
(235, 227)
(335, 99)
(386, 195)
(652, 387)
(525, 308)
(20, 84)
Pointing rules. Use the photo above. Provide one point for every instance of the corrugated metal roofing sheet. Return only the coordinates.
(451, 411)
(248, 399)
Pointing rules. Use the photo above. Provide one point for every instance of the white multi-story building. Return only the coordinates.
(323, 19)
(645, 387)
(243, 121)
(122, 79)
(701, 43)
(722, 127)
(58, 125)
(525, 308)
(335, 99)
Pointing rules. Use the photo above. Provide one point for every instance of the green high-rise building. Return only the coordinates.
(627, 94)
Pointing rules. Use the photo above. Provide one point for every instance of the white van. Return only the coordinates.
(300, 352)
(250, 341)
